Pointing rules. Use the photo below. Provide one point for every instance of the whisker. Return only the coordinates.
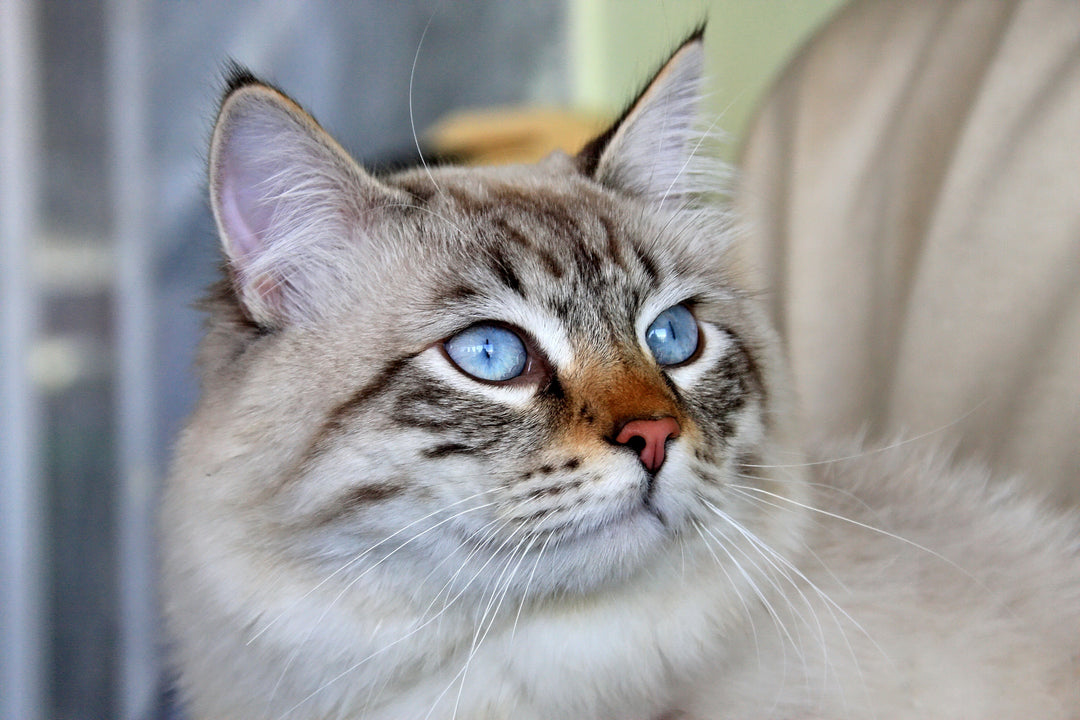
(386, 557)
(749, 615)
(413, 631)
(478, 538)
(759, 546)
(364, 554)
(528, 584)
(847, 494)
(490, 614)
(691, 156)
(494, 554)
(295, 652)
(884, 448)
(412, 120)
(777, 621)
(864, 526)
(831, 606)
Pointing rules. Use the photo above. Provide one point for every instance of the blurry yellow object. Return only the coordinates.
(501, 136)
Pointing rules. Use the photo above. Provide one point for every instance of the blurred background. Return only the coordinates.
(106, 241)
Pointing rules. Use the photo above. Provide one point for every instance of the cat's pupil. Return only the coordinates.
(673, 335)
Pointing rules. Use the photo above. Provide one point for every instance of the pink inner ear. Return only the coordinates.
(245, 176)
(241, 241)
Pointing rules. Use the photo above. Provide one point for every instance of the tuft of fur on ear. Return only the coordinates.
(650, 151)
(287, 199)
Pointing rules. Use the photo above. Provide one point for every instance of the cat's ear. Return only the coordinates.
(285, 197)
(648, 151)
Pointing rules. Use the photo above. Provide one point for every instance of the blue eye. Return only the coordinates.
(673, 336)
(488, 352)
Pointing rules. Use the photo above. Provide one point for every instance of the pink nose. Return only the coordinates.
(647, 437)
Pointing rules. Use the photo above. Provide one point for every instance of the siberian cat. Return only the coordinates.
(516, 443)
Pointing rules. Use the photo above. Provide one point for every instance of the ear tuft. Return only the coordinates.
(237, 76)
(287, 200)
(649, 150)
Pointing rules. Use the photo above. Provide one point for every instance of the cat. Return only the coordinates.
(517, 442)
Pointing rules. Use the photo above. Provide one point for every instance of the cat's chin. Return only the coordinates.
(611, 552)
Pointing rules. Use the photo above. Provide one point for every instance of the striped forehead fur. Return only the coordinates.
(566, 225)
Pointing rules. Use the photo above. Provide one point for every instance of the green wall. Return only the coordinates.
(615, 44)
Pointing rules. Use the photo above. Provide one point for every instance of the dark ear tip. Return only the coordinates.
(697, 34)
(238, 76)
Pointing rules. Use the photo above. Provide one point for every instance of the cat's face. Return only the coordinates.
(516, 447)
(538, 374)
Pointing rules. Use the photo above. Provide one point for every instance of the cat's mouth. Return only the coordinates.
(638, 501)
(638, 524)
(648, 499)
(645, 511)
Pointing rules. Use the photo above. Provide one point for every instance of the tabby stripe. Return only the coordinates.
(505, 271)
(562, 224)
(589, 263)
(438, 451)
(507, 230)
(357, 499)
(373, 388)
(421, 190)
(554, 267)
(425, 407)
(752, 368)
(612, 242)
(337, 418)
(749, 463)
(456, 295)
(647, 264)
(468, 203)
(552, 490)
(367, 494)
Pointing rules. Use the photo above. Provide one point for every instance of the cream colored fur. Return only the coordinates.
(913, 192)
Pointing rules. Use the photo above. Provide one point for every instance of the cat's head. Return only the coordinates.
(544, 371)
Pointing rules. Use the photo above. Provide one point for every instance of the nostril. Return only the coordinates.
(647, 438)
(636, 443)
